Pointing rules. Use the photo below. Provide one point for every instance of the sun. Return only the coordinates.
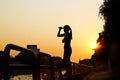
(94, 45)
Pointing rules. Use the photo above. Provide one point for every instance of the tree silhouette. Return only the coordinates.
(111, 14)
(101, 52)
(25, 58)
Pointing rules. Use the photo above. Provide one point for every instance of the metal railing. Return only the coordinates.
(43, 66)
(6, 66)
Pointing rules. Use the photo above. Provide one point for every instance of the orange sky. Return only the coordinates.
(25, 22)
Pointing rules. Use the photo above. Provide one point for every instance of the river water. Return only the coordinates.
(21, 77)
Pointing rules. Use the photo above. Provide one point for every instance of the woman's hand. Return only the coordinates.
(60, 28)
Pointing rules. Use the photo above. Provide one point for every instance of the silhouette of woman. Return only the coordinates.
(67, 45)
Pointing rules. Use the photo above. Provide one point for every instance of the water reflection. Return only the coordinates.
(21, 77)
(43, 76)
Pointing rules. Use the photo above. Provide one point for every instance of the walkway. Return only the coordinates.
(103, 75)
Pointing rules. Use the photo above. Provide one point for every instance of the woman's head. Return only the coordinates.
(66, 28)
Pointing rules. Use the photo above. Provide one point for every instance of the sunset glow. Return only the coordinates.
(94, 45)
(36, 22)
